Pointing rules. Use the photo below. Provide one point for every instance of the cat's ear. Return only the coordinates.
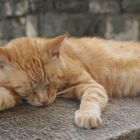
(5, 58)
(54, 45)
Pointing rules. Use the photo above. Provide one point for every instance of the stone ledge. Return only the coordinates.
(52, 24)
(122, 27)
(121, 121)
(102, 6)
(131, 6)
(71, 5)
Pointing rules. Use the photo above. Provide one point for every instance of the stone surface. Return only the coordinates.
(125, 27)
(2, 10)
(121, 121)
(131, 5)
(16, 7)
(39, 6)
(103, 18)
(102, 6)
(10, 29)
(31, 26)
(2, 42)
(74, 24)
(71, 5)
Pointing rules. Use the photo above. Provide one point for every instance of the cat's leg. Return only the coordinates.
(8, 99)
(93, 100)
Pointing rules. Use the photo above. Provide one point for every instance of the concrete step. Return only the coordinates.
(121, 121)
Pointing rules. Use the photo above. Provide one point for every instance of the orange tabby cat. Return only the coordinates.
(90, 69)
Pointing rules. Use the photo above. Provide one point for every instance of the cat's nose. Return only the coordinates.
(44, 103)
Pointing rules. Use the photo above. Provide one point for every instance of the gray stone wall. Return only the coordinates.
(118, 19)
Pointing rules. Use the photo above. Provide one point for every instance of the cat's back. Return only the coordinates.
(114, 64)
(98, 47)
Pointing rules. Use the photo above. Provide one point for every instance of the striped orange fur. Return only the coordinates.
(89, 69)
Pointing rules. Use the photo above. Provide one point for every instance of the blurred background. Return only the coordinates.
(113, 19)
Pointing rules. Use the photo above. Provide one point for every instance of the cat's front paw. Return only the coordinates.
(7, 99)
(87, 119)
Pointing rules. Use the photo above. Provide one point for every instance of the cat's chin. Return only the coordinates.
(36, 104)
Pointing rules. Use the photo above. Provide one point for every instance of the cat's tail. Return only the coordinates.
(8, 99)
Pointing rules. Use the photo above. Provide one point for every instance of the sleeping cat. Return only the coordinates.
(89, 69)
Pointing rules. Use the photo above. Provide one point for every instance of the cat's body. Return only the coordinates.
(113, 64)
(90, 69)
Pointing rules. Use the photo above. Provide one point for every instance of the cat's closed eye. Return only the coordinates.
(35, 88)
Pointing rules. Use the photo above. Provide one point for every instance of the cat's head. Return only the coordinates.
(29, 66)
